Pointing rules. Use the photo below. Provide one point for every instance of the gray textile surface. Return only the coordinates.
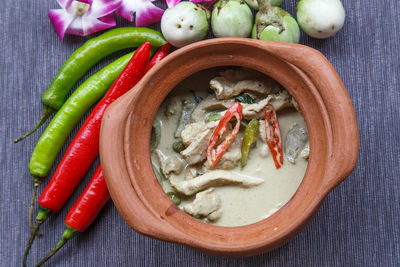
(358, 225)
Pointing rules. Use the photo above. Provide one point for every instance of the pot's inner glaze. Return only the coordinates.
(228, 194)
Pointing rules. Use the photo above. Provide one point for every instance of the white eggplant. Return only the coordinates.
(320, 18)
(185, 23)
(275, 24)
(231, 18)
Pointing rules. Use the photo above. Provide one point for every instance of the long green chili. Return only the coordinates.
(249, 139)
(85, 57)
(53, 138)
(67, 117)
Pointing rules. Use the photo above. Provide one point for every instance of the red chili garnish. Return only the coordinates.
(273, 133)
(215, 154)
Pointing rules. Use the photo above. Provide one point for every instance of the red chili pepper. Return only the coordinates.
(215, 154)
(94, 197)
(84, 211)
(85, 146)
(162, 52)
(273, 133)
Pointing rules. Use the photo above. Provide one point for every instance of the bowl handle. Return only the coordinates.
(343, 141)
(112, 133)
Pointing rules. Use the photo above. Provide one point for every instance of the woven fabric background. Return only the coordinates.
(358, 225)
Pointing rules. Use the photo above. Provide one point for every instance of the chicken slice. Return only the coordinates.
(214, 178)
(191, 131)
(191, 172)
(278, 101)
(169, 165)
(234, 82)
(207, 204)
(196, 152)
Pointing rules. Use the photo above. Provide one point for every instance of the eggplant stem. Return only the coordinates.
(47, 111)
(31, 239)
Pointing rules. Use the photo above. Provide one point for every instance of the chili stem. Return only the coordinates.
(35, 187)
(47, 111)
(53, 251)
(67, 235)
(31, 239)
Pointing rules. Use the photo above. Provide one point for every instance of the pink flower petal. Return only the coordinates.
(148, 14)
(84, 26)
(126, 10)
(102, 8)
(97, 17)
(60, 21)
(172, 3)
(205, 3)
(109, 19)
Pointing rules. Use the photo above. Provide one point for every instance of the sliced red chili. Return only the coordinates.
(214, 154)
(273, 133)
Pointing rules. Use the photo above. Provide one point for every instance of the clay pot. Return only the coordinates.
(303, 71)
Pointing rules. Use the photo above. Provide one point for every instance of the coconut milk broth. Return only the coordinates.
(240, 206)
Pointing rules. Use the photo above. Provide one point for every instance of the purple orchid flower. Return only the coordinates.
(146, 12)
(83, 17)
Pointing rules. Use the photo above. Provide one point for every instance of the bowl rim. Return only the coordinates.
(137, 96)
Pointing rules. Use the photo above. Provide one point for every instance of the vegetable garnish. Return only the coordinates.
(146, 12)
(273, 133)
(83, 58)
(84, 211)
(85, 146)
(52, 139)
(215, 154)
(249, 140)
(83, 17)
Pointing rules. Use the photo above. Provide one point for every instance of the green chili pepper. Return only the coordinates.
(86, 57)
(178, 146)
(250, 138)
(155, 135)
(67, 117)
(245, 99)
(174, 198)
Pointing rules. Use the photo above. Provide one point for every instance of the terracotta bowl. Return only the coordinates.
(303, 71)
